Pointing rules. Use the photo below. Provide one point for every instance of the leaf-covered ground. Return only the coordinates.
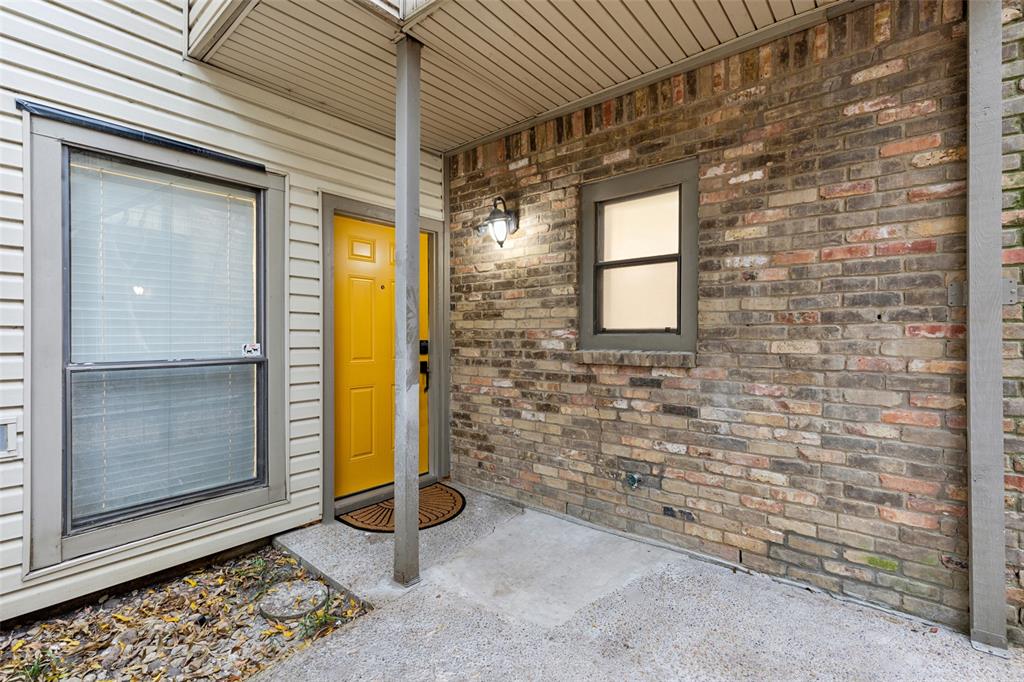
(203, 626)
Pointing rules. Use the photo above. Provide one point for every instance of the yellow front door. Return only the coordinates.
(364, 354)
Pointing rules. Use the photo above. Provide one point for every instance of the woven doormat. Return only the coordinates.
(438, 503)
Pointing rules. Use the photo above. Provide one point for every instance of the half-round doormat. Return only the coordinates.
(438, 503)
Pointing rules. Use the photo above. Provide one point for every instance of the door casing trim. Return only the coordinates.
(438, 405)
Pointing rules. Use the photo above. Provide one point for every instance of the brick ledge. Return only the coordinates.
(635, 358)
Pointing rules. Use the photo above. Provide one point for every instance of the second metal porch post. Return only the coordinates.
(984, 329)
(407, 300)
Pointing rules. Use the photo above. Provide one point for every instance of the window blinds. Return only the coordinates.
(141, 436)
(163, 267)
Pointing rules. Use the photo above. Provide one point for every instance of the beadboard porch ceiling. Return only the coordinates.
(488, 65)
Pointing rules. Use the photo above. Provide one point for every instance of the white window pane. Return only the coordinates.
(634, 228)
(142, 436)
(639, 297)
(162, 265)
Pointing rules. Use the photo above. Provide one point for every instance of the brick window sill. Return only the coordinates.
(635, 358)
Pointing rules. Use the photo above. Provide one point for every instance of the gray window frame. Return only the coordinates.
(681, 175)
(52, 540)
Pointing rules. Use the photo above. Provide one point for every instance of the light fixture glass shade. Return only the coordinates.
(500, 223)
(499, 230)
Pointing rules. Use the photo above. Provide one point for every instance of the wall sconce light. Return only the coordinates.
(500, 223)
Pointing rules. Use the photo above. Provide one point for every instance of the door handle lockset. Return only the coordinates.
(425, 370)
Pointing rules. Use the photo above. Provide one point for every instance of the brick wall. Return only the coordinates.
(820, 434)
(1013, 347)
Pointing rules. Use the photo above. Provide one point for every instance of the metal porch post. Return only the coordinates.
(984, 330)
(407, 278)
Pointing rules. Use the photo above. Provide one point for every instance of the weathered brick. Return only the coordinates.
(913, 417)
(940, 226)
(871, 234)
(1013, 256)
(766, 216)
(910, 145)
(811, 546)
(847, 189)
(907, 111)
(882, 22)
(848, 571)
(879, 70)
(937, 330)
(937, 401)
(938, 157)
(914, 348)
(795, 347)
(844, 252)
(794, 257)
(909, 518)
(794, 197)
(869, 105)
(902, 248)
(873, 560)
(937, 366)
(941, 191)
(746, 233)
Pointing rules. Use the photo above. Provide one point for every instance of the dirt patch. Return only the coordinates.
(203, 626)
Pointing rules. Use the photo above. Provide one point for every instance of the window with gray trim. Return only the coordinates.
(638, 260)
(157, 292)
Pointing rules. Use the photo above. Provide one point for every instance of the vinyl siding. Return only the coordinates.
(413, 5)
(200, 14)
(120, 60)
(208, 20)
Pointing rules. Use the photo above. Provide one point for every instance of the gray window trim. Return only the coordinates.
(49, 540)
(681, 174)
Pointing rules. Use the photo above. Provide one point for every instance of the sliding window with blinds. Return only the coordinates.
(159, 336)
(163, 352)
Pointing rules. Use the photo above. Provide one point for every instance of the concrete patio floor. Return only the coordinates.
(513, 594)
